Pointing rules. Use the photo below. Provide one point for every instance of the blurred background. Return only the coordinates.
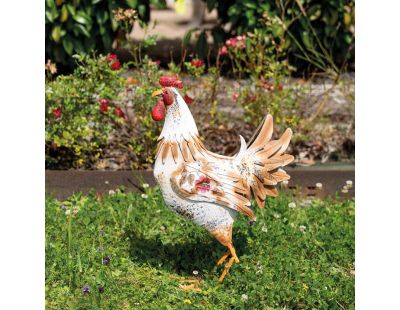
(84, 26)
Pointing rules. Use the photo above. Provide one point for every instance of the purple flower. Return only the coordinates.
(101, 289)
(86, 289)
(106, 259)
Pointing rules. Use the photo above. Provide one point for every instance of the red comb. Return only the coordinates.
(170, 80)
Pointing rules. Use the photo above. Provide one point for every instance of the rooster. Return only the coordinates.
(207, 188)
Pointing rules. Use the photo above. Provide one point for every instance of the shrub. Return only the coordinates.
(259, 55)
(96, 106)
(319, 35)
(82, 26)
(80, 111)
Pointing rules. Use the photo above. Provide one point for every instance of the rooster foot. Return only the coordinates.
(231, 252)
(223, 258)
(226, 270)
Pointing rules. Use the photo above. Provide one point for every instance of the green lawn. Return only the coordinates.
(142, 256)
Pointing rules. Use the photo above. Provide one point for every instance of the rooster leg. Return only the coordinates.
(224, 257)
(221, 260)
(224, 236)
(233, 252)
(226, 270)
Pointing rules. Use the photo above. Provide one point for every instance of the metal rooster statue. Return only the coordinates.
(207, 188)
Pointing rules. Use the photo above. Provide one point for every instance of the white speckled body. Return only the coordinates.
(179, 124)
(208, 215)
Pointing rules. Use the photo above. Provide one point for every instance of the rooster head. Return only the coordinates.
(174, 109)
(168, 96)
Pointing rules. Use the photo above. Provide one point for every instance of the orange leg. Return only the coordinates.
(234, 258)
(233, 252)
(224, 236)
(226, 270)
(223, 258)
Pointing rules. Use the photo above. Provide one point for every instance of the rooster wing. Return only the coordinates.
(202, 181)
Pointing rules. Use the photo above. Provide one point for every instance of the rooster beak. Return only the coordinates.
(157, 93)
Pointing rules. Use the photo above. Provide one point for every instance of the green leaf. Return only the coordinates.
(64, 14)
(78, 46)
(68, 46)
(202, 46)
(142, 10)
(306, 39)
(81, 29)
(106, 41)
(314, 12)
(56, 34)
(101, 17)
(71, 9)
(187, 37)
(132, 3)
(51, 4)
(82, 18)
(250, 4)
(51, 11)
(50, 16)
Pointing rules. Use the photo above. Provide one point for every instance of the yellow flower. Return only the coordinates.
(187, 301)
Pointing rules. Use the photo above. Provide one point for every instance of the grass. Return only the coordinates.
(153, 255)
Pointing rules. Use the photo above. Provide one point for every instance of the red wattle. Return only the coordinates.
(158, 112)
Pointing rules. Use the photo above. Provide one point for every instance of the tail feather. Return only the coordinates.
(268, 159)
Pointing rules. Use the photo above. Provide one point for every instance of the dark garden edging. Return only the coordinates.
(62, 183)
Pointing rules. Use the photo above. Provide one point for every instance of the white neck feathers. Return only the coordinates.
(179, 122)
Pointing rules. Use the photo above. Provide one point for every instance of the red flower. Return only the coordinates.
(280, 87)
(252, 97)
(188, 99)
(119, 112)
(104, 105)
(231, 42)
(116, 65)
(57, 112)
(223, 51)
(197, 63)
(235, 96)
(111, 57)
(236, 42)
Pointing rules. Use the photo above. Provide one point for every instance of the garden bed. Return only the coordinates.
(329, 137)
(323, 114)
